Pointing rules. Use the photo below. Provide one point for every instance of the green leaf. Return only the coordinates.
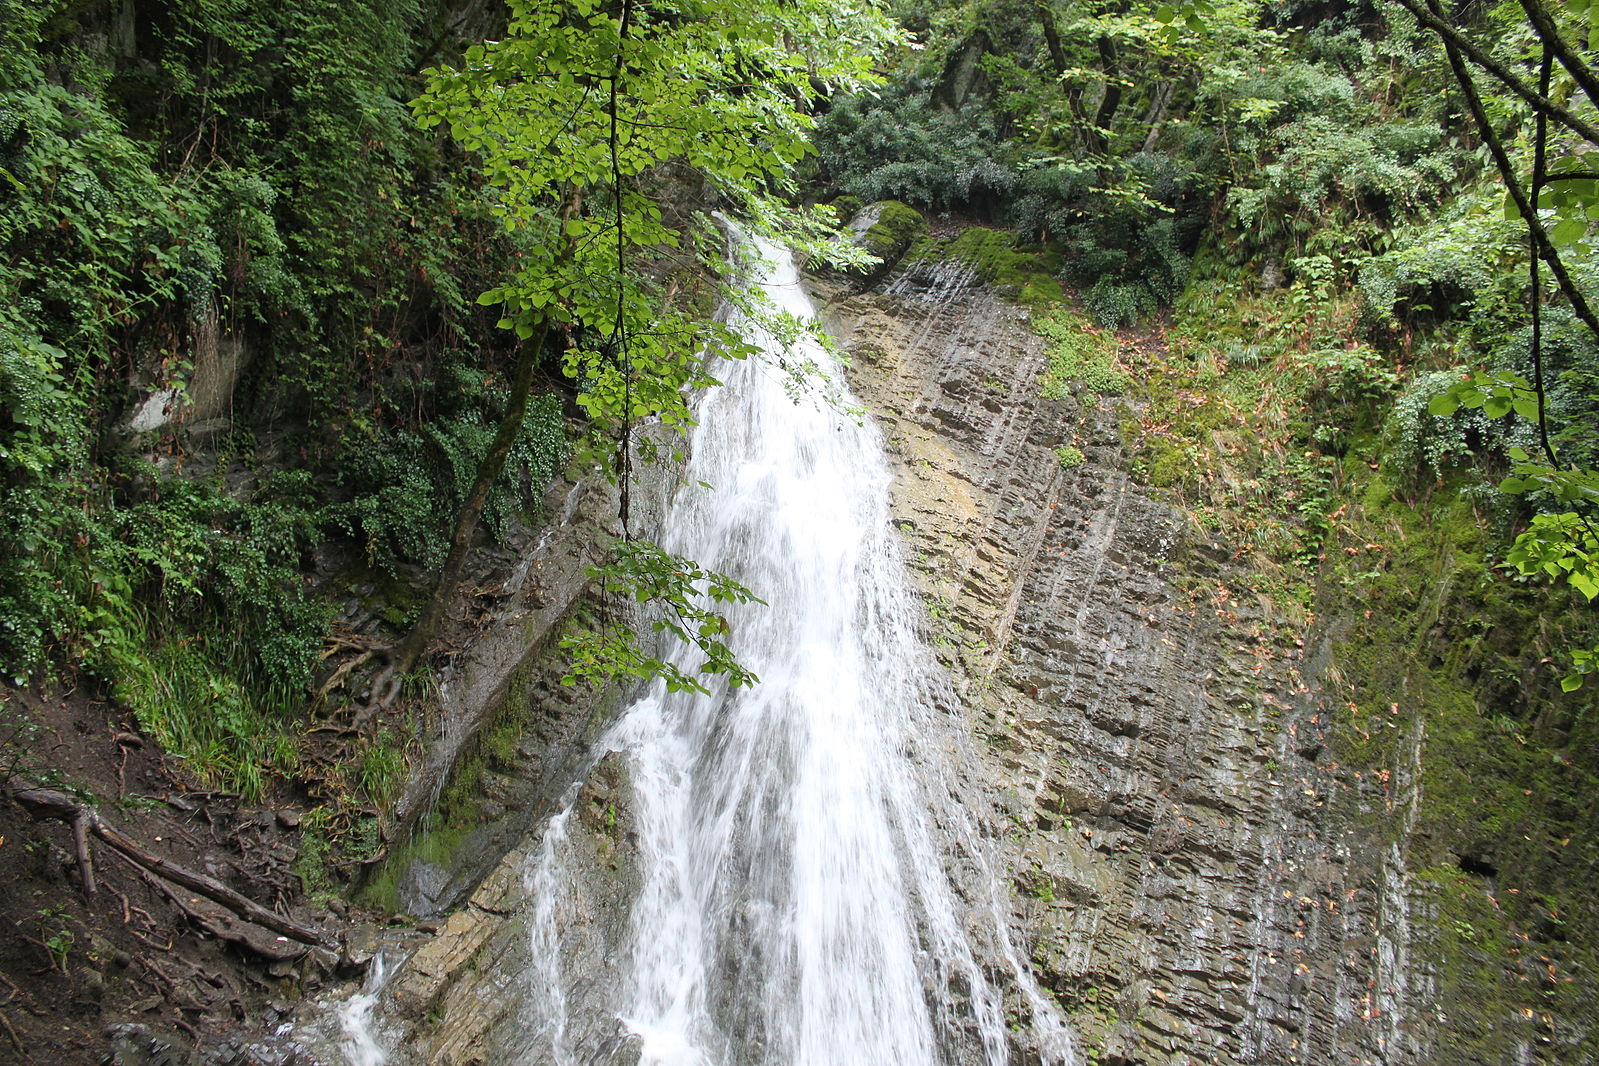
(1583, 582)
(1571, 683)
(1443, 405)
(1569, 231)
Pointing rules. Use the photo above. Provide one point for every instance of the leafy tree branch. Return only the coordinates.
(579, 116)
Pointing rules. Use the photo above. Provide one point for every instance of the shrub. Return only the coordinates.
(1421, 443)
(899, 145)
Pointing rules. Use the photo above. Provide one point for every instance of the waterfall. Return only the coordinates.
(811, 890)
(357, 1026)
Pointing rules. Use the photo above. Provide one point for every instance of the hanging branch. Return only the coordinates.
(1539, 167)
(1458, 44)
(619, 331)
(1542, 245)
(1554, 43)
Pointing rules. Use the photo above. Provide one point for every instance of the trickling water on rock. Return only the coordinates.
(804, 886)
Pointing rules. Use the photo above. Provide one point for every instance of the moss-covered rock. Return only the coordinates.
(1027, 276)
(886, 230)
(1447, 697)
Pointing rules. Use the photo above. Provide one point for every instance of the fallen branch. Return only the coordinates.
(343, 671)
(223, 927)
(15, 1039)
(45, 803)
(80, 841)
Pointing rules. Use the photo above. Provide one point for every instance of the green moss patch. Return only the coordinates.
(1080, 355)
(1028, 277)
(897, 226)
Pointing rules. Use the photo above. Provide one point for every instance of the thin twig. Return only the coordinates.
(15, 1039)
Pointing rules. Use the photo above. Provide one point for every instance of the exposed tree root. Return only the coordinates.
(45, 803)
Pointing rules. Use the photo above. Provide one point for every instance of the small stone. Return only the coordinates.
(360, 945)
(289, 819)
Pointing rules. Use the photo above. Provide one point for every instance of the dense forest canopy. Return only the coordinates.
(282, 314)
(1366, 168)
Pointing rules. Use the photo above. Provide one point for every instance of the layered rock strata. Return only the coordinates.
(1183, 865)
(1162, 765)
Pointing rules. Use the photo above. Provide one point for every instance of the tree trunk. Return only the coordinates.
(1108, 103)
(1057, 54)
(410, 649)
(1575, 65)
(1158, 110)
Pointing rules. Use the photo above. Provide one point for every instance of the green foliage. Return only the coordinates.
(580, 115)
(1559, 544)
(1460, 260)
(1427, 437)
(59, 944)
(1102, 128)
(382, 768)
(1079, 355)
(900, 145)
(683, 596)
(234, 176)
(581, 100)
(407, 485)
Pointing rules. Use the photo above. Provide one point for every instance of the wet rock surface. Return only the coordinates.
(458, 995)
(1190, 871)
(1186, 891)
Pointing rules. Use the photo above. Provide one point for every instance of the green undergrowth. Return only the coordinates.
(1081, 356)
(1246, 409)
(233, 209)
(1442, 662)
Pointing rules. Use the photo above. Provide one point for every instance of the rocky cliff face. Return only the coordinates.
(1195, 876)
(1164, 768)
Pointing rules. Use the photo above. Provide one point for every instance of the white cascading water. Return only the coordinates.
(357, 1026)
(800, 843)
(796, 909)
